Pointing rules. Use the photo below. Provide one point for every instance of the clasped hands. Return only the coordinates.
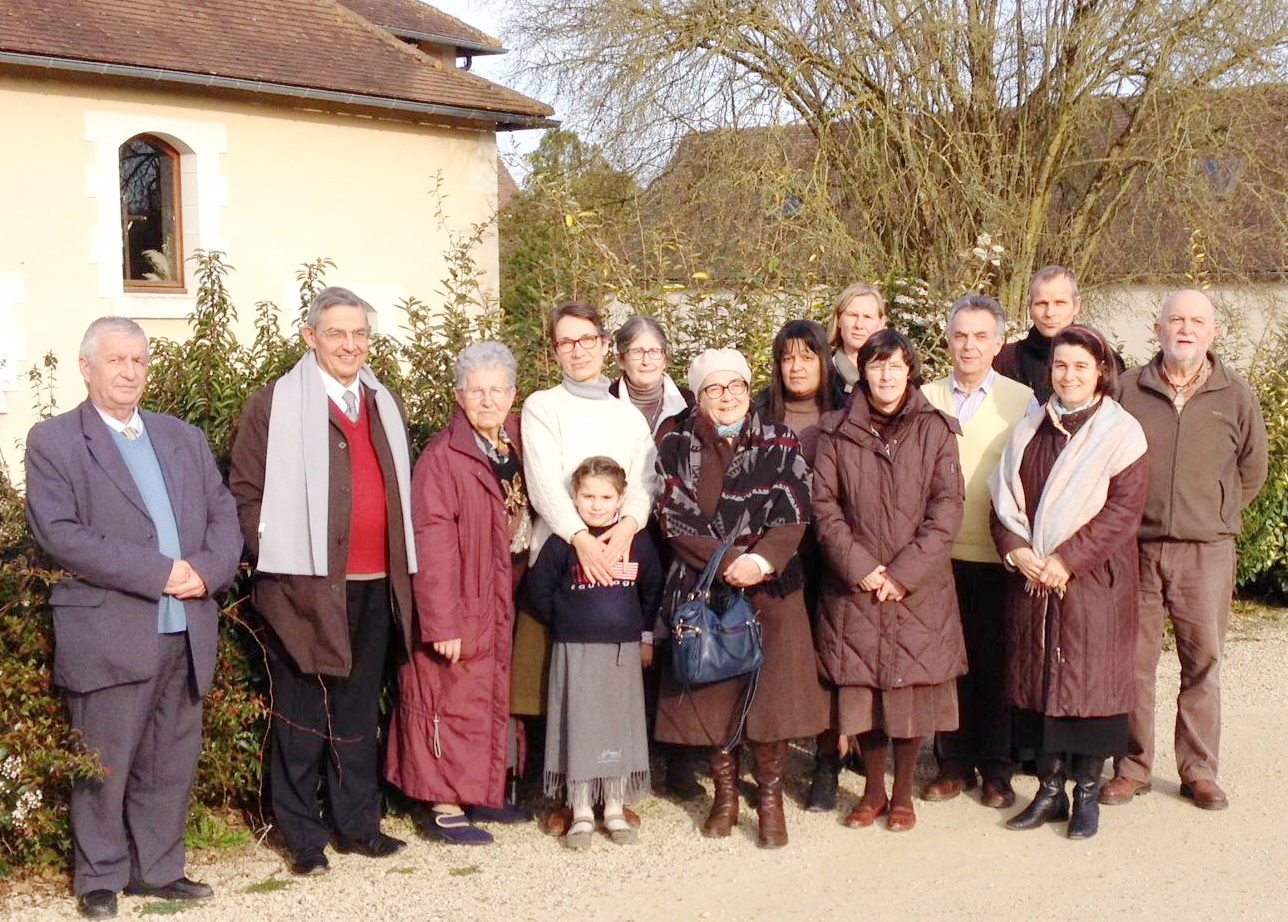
(1041, 575)
(598, 554)
(887, 588)
(184, 582)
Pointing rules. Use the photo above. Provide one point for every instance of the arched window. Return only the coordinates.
(150, 227)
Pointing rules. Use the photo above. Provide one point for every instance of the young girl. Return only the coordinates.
(596, 740)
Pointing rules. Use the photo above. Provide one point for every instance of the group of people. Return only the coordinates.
(986, 559)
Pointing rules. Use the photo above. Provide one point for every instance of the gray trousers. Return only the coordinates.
(127, 826)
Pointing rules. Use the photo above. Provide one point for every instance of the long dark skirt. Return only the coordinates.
(1036, 734)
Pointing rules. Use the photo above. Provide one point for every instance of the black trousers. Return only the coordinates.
(326, 727)
(983, 738)
(127, 826)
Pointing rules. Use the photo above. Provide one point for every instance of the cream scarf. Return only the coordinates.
(1078, 485)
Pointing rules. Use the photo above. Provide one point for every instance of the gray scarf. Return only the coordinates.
(297, 471)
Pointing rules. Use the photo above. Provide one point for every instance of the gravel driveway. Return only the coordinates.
(1158, 858)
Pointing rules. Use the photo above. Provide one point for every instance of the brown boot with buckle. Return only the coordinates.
(724, 801)
(771, 766)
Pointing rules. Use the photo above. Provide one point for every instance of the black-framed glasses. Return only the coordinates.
(736, 388)
(587, 342)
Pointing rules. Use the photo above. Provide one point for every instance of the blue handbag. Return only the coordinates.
(715, 632)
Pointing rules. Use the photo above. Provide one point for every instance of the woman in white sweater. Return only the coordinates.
(577, 419)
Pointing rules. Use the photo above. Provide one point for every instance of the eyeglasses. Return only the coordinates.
(476, 394)
(894, 365)
(587, 342)
(334, 336)
(637, 353)
(736, 388)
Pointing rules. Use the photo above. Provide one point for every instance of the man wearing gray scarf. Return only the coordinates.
(321, 475)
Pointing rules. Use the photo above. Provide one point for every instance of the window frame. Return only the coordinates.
(177, 285)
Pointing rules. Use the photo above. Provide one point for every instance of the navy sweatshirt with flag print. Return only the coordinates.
(578, 611)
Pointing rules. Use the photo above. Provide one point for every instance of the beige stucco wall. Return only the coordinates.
(271, 187)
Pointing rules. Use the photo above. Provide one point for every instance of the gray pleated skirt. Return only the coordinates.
(595, 726)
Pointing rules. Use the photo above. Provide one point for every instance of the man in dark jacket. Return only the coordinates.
(1207, 445)
(1054, 303)
(321, 475)
(132, 506)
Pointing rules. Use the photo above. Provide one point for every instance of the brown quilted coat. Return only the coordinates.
(897, 503)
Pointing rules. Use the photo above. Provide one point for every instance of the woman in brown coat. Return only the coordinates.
(888, 499)
(1067, 500)
(729, 474)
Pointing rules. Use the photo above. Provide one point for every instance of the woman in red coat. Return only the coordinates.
(450, 736)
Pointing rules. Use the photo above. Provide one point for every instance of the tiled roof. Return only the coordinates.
(314, 44)
(412, 16)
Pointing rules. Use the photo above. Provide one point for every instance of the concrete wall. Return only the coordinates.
(271, 187)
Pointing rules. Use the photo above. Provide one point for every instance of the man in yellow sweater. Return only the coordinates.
(988, 406)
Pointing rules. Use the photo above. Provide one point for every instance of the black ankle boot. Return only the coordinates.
(1050, 803)
(822, 789)
(1085, 818)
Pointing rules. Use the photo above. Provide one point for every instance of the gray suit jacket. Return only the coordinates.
(89, 516)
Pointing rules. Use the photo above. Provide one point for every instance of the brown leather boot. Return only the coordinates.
(724, 803)
(771, 765)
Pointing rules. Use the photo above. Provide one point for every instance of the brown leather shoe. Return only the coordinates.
(1120, 789)
(864, 815)
(724, 802)
(557, 822)
(946, 787)
(771, 765)
(901, 818)
(1206, 794)
(997, 793)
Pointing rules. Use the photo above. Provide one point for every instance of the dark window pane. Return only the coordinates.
(149, 211)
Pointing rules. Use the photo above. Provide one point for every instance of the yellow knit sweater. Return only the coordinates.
(980, 443)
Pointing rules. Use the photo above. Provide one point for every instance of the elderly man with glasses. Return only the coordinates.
(322, 473)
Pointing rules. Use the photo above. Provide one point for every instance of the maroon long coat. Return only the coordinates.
(1075, 657)
(448, 735)
(897, 503)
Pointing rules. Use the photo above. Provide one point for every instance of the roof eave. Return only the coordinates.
(474, 48)
(501, 121)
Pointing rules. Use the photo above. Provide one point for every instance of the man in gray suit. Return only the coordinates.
(132, 505)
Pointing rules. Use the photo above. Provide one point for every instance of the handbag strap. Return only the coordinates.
(708, 577)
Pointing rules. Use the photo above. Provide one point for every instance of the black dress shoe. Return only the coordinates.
(309, 864)
(376, 845)
(181, 889)
(97, 904)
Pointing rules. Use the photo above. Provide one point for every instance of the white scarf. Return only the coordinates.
(1078, 485)
(293, 516)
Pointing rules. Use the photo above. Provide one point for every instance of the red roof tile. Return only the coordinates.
(315, 44)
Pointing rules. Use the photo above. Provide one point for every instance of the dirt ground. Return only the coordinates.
(1158, 858)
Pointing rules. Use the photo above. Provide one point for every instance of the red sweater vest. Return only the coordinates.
(368, 517)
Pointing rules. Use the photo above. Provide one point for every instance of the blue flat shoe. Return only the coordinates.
(456, 829)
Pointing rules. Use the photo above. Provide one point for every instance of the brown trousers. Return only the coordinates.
(1189, 582)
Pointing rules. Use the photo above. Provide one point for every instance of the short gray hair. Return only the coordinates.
(974, 301)
(485, 354)
(333, 296)
(123, 326)
(636, 325)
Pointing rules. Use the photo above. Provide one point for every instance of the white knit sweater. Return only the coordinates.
(561, 430)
